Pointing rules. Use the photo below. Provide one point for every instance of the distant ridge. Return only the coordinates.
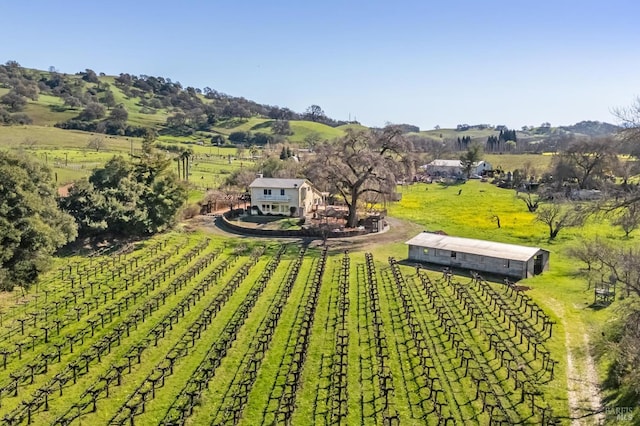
(592, 128)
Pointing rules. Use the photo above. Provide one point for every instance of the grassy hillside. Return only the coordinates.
(253, 124)
(300, 128)
(454, 134)
(54, 138)
(345, 127)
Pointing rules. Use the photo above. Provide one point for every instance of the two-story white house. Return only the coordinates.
(287, 197)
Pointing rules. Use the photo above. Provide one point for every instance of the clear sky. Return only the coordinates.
(422, 62)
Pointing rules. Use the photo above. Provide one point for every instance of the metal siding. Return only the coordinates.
(473, 246)
(477, 263)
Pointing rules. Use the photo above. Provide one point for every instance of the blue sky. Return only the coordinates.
(420, 62)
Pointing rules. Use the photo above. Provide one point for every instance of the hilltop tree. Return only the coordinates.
(90, 76)
(360, 162)
(281, 127)
(31, 226)
(315, 113)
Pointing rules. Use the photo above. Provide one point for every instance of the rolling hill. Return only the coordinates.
(190, 115)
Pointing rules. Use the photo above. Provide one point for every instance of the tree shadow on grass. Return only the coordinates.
(61, 108)
(100, 245)
(265, 125)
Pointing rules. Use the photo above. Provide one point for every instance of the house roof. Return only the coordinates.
(445, 163)
(451, 163)
(277, 183)
(471, 246)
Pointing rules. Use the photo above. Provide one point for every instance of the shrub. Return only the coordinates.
(191, 211)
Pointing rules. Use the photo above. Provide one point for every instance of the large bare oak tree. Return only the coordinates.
(362, 161)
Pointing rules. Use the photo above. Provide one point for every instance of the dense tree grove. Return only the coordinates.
(502, 141)
(249, 138)
(31, 225)
(127, 198)
(463, 143)
(587, 162)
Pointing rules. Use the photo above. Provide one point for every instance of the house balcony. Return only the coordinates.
(278, 198)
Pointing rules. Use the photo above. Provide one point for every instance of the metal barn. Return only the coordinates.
(478, 255)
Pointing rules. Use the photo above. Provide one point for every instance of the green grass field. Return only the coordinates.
(564, 291)
(538, 163)
(68, 155)
(300, 128)
(399, 359)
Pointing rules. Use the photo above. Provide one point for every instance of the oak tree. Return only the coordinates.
(361, 162)
(31, 225)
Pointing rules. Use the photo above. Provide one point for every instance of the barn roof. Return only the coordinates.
(277, 183)
(471, 246)
(451, 163)
(445, 163)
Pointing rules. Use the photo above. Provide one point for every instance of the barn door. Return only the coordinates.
(538, 264)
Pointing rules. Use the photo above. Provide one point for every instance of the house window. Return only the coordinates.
(282, 192)
(267, 192)
(274, 207)
(453, 254)
(425, 251)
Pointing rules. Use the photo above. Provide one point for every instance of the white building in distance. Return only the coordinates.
(454, 168)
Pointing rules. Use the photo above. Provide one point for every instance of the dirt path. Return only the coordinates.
(583, 385)
(399, 231)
